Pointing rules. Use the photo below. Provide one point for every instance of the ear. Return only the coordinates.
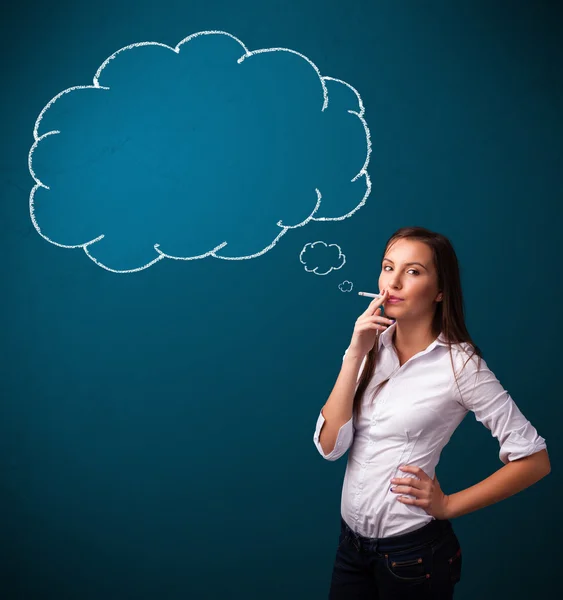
(439, 297)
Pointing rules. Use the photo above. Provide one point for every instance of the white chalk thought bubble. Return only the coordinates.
(205, 149)
(321, 258)
(346, 286)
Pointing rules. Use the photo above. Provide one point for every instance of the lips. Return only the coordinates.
(395, 298)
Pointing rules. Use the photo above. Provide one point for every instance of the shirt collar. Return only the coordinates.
(386, 338)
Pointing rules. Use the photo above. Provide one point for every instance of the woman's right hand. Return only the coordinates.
(368, 325)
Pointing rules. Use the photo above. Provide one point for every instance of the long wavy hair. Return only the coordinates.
(449, 318)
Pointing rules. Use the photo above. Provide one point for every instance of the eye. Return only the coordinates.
(417, 272)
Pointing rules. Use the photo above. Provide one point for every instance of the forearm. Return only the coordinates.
(338, 408)
(507, 481)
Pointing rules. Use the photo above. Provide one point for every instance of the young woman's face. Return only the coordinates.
(416, 284)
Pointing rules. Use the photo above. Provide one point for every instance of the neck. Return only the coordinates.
(411, 338)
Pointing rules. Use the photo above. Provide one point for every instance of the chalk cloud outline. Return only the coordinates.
(213, 253)
(343, 283)
(311, 245)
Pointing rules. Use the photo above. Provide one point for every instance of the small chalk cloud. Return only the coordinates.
(346, 286)
(202, 150)
(321, 258)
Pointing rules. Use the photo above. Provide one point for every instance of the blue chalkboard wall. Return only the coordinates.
(156, 425)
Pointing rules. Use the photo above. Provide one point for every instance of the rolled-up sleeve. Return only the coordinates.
(343, 439)
(483, 394)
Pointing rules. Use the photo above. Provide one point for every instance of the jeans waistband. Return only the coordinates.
(423, 535)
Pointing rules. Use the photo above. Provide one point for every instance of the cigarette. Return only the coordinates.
(369, 295)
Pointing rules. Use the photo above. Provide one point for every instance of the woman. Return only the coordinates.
(407, 381)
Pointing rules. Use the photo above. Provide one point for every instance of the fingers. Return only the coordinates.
(424, 503)
(381, 323)
(420, 492)
(370, 327)
(375, 319)
(409, 482)
(405, 489)
(376, 303)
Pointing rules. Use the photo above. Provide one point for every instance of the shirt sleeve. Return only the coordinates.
(483, 394)
(345, 435)
(343, 439)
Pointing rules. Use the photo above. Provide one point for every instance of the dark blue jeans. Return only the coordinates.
(424, 564)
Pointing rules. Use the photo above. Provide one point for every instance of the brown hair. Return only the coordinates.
(449, 316)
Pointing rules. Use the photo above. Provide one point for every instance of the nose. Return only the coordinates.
(393, 282)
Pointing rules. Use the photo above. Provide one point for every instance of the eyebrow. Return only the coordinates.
(407, 264)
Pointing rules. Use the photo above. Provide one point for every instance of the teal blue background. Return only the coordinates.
(156, 428)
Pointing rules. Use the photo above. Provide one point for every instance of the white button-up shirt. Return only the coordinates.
(410, 421)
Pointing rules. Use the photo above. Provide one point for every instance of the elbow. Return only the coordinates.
(546, 464)
(333, 455)
(538, 462)
(542, 462)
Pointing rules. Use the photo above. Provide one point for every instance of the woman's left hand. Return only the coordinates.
(427, 492)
